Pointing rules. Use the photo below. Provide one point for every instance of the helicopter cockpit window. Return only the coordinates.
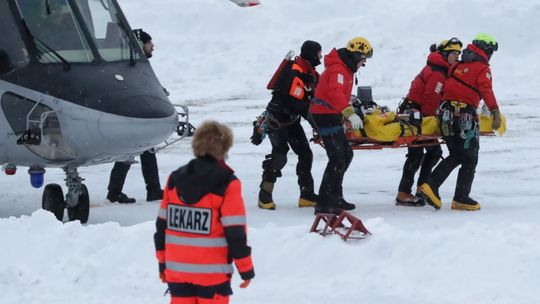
(13, 53)
(55, 30)
(110, 33)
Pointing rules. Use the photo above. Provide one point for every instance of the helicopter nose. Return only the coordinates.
(142, 106)
(136, 133)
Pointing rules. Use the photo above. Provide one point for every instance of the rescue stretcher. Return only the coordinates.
(383, 129)
(366, 143)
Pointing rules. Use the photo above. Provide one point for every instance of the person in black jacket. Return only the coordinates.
(148, 158)
(290, 101)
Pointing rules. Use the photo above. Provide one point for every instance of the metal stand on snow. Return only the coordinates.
(334, 224)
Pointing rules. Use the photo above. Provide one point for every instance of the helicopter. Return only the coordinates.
(246, 3)
(76, 90)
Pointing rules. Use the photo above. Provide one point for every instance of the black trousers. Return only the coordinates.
(149, 170)
(463, 147)
(187, 290)
(417, 159)
(292, 135)
(340, 155)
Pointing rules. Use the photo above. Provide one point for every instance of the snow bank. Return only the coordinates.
(218, 57)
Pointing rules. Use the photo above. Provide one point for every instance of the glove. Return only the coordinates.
(245, 284)
(162, 277)
(496, 119)
(356, 122)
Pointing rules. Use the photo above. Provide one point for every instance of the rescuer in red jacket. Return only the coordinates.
(329, 109)
(201, 225)
(425, 96)
(469, 81)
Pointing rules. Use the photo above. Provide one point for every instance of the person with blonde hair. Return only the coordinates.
(201, 225)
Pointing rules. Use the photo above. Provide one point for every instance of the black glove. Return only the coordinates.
(256, 136)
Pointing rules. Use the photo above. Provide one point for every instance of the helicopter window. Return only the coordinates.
(13, 53)
(109, 32)
(55, 30)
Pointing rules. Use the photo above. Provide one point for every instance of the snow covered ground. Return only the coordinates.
(217, 58)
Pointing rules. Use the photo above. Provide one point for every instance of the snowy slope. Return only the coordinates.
(217, 58)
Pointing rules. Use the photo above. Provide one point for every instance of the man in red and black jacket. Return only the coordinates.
(425, 96)
(290, 101)
(469, 81)
(331, 106)
(201, 226)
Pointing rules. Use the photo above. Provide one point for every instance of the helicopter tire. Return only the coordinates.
(53, 200)
(82, 210)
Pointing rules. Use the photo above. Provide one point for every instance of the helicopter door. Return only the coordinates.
(37, 127)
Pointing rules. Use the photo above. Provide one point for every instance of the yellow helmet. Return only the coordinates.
(451, 45)
(360, 44)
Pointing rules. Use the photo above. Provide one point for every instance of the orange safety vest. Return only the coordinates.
(196, 250)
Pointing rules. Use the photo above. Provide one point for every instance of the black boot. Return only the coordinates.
(154, 195)
(121, 198)
(343, 204)
(323, 208)
(265, 196)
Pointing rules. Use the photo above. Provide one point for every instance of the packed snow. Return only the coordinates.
(217, 58)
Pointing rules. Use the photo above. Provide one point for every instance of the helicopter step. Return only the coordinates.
(76, 201)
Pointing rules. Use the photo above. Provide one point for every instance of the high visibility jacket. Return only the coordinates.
(470, 79)
(334, 89)
(293, 90)
(427, 87)
(201, 225)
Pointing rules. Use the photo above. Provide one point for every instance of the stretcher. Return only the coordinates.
(384, 129)
(366, 143)
(389, 130)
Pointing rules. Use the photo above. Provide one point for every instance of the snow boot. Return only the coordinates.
(265, 196)
(307, 200)
(409, 200)
(319, 208)
(468, 205)
(343, 204)
(154, 195)
(430, 196)
(121, 198)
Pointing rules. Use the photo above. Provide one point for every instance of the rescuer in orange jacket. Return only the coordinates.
(291, 98)
(425, 96)
(330, 107)
(201, 225)
(469, 81)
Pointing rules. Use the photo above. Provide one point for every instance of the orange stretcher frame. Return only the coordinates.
(366, 143)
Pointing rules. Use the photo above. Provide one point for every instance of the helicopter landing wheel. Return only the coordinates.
(82, 209)
(53, 200)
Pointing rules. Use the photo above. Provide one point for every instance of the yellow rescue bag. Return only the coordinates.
(486, 122)
(383, 127)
